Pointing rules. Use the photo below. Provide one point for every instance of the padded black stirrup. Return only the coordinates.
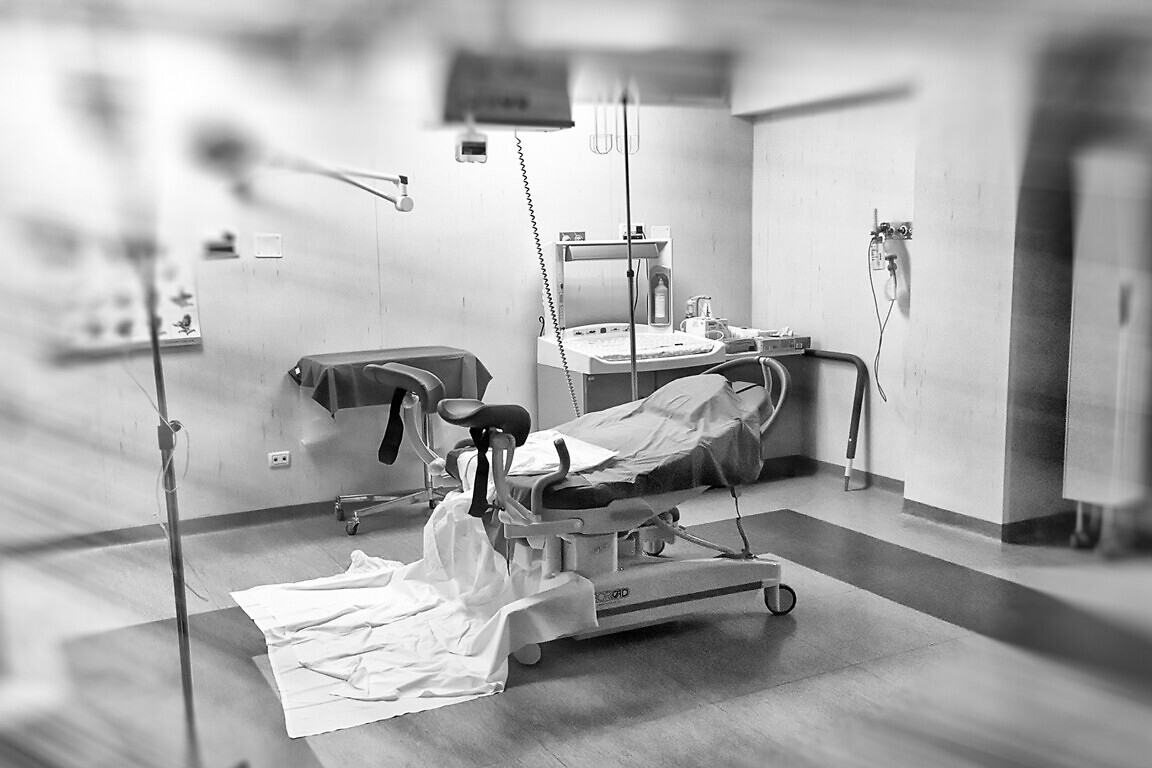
(394, 432)
(480, 483)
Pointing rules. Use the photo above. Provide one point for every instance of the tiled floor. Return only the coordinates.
(851, 677)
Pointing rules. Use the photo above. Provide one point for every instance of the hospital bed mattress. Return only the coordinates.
(694, 431)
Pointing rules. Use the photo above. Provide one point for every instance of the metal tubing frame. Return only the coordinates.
(381, 502)
(857, 400)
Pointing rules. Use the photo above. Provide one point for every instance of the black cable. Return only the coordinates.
(881, 324)
(544, 277)
(636, 299)
(747, 553)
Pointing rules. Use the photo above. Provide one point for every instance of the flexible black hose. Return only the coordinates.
(882, 324)
(544, 276)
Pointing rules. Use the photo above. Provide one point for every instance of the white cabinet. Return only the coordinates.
(1107, 458)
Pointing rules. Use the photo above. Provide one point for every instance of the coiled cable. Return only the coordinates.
(544, 276)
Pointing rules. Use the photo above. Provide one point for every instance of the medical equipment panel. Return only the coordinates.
(605, 348)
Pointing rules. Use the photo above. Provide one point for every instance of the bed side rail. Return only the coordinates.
(774, 377)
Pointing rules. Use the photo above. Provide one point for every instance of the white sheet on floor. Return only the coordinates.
(385, 639)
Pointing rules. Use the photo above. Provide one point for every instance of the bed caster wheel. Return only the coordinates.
(339, 512)
(653, 548)
(786, 600)
(351, 527)
(528, 655)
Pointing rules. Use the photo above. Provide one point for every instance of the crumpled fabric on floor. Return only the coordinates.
(385, 639)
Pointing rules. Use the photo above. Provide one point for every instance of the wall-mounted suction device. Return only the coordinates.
(229, 151)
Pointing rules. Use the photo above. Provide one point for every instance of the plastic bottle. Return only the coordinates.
(660, 301)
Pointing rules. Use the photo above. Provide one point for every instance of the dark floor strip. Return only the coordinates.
(188, 527)
(994, 607)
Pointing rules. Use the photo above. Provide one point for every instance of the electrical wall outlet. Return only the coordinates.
(638, 231)
(279, 459)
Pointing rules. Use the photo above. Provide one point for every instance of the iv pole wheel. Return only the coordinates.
(351, 527)
(786, 600)
(339, 511)
(528, 655)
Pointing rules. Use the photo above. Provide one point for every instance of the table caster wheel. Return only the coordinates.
(339, 512)
(1083, 540)
(528, 655)
(352, 527)
(787, 600)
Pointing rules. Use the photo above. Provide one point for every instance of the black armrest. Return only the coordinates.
(475, 414)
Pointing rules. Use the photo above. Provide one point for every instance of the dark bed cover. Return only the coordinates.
(694, 431)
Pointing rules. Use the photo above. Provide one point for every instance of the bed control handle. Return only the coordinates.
(552, 528)
(544, 481)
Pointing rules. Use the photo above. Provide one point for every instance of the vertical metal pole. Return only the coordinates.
(628, 241)
(176, 555)
(429, 488)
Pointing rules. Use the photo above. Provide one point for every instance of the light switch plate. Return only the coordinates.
(265, 246)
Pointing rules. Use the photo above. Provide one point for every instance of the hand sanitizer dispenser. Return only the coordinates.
(659, 297)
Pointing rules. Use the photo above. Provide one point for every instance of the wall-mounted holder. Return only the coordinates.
(880, 256)
(900, 230)
(222, 246)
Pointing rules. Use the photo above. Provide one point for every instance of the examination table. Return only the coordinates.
(611, 522)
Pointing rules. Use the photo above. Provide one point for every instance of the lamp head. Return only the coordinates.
(226, 150)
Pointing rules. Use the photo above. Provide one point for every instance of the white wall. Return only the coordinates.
(846, 142)
(459, 270)
(818, 175)
(972, 131)
(835, 138)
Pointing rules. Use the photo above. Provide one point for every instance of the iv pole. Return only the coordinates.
(143, 253)
(631, 270)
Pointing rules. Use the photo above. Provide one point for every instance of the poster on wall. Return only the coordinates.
(104, 307)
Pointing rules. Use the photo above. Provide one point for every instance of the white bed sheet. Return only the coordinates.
(384, 639)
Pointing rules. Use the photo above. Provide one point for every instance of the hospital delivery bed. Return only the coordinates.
(611, 522)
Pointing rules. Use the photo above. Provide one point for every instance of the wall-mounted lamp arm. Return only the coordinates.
(402, 202)
(228, 151)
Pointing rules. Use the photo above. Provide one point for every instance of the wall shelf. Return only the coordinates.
(587, 250)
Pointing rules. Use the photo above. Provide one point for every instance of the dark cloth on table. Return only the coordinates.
(340, 383)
